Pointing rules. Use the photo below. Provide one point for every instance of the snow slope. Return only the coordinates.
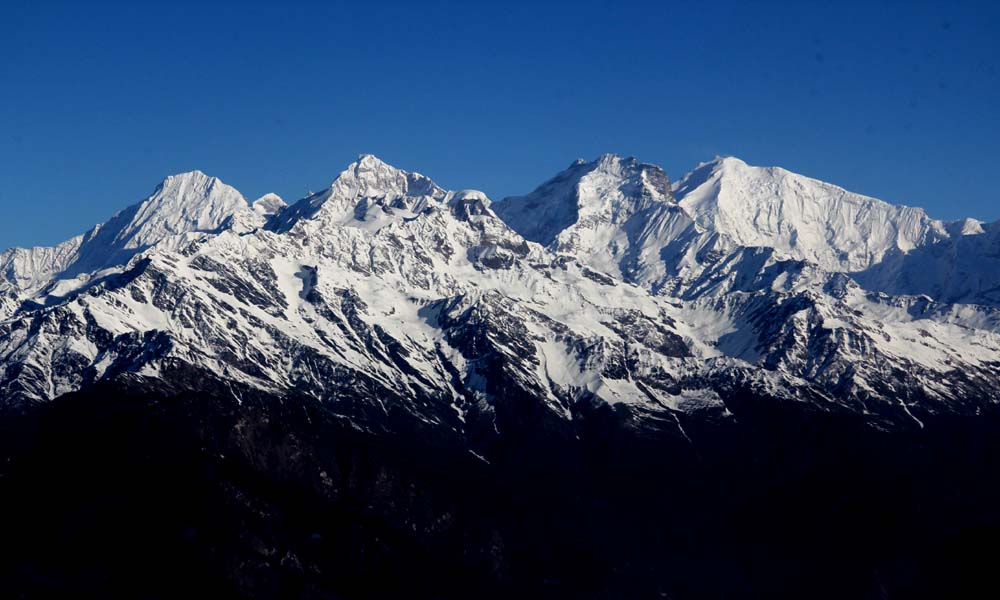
(801, 218)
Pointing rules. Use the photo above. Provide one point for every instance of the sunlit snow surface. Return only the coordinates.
(607, 282)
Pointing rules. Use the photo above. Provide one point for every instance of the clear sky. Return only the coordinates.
(98, 102)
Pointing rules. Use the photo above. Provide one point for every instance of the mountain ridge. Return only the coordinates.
(632, 301)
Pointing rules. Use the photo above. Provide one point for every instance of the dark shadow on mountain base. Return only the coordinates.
(112, 492)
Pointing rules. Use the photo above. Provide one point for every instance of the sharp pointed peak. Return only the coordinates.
(370, 162)
(188, 183)
(191, 188)
(369, 159)
(608, 162)
(610, 159)
(193, 175)
(369, 167)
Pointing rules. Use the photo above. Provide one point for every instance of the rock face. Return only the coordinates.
(380, 342)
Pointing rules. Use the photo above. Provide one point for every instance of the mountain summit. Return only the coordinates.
(588, 195)
(800, 217)
(186, 203)
(366, 178)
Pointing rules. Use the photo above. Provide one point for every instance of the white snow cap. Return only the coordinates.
(185, 202)
(800, 217)
(268, 204)
(370, 176)
(971, 227)
(608, 190)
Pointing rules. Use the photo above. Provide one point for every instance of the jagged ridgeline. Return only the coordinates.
(612, 386)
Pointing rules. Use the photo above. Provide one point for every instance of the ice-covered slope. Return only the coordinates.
(28, 268)
(887, 248)
(801, 218)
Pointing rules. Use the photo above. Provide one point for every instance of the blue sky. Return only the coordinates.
(98, 102)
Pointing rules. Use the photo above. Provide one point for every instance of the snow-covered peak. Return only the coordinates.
(469, 197)
(615, 214)
(368, 162)
(366, 182)
(966, 227)
(183, 203)
(370, 177)
(800, 217)
(469, 204)
(605, 192)
(268, 204)
(386, 285)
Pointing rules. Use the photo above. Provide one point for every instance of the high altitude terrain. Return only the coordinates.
(612, 385)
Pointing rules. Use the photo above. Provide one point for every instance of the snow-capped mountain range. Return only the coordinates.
(386, 294)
